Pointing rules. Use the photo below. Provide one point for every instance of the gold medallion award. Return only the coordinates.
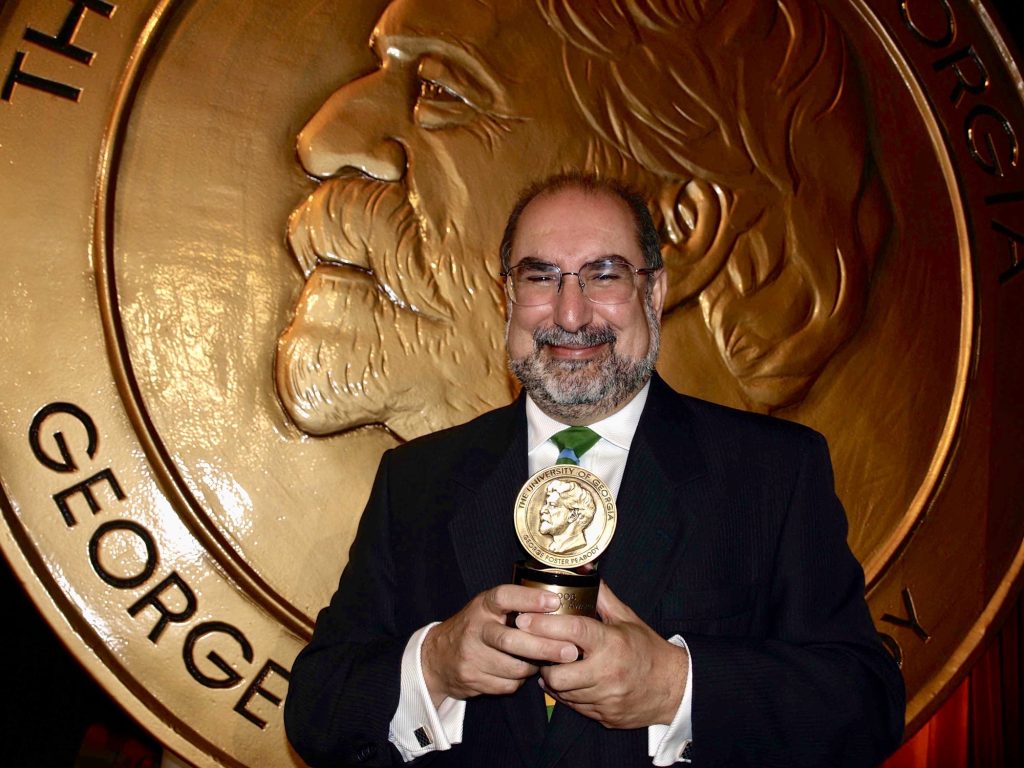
(250, 246)
(565, 518)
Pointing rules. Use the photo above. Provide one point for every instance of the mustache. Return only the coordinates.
(336, 222)
(370, 226)
(587, 336)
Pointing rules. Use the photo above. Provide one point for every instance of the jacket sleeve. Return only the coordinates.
(818, 688)
(345, 684)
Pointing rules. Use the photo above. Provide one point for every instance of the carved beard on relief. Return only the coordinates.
(394, 326)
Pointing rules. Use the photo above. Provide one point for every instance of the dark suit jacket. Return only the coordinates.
(729, 534)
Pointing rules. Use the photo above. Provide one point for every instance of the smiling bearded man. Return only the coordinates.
(732, 627)
(576, 387)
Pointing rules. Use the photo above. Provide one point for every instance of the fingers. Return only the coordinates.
(573, 682)
(490, 673)
(582, 632)
(512, 598)
(501, 666)
(524, 645)
(474, 652)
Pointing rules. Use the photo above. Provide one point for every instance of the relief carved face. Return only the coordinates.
(399, 323)
(567, 512)
(420, 160)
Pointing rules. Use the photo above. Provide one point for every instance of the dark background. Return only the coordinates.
(50, 702)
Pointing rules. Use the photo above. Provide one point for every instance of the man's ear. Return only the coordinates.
(696, 236)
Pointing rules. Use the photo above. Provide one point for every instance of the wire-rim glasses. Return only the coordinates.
(608, 281)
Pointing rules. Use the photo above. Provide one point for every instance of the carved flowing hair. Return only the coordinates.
(748, 123)
(574, 498)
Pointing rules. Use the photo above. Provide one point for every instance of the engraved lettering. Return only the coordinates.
(85, 488)
(574, 604)
(231, 676)
(256, 688)
(63, 42)
(911, 622)
(940, 40)
(124, 555)
(1016, 244)
(974, 85)
(982, 144)
(991, 139)
(18, 76)
(66, 463)
(114, 580)
(893, 647)
(154, 598)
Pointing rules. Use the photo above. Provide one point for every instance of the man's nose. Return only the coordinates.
(572, 309)
(354, 130)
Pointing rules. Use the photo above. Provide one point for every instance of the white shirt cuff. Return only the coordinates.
(417, 728)
(669, 744)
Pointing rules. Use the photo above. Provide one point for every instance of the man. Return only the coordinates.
(733, 628)
(567, 512)
(741, 122)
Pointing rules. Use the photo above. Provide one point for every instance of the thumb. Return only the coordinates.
(610, 608)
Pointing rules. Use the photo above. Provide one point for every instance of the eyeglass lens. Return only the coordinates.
(605, 282)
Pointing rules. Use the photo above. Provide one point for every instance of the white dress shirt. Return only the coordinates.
(417, 727)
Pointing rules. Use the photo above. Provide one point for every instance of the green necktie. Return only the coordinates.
(573, 443)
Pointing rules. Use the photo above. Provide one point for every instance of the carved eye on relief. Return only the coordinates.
(437, 106)
(436, 92)
(443, 101)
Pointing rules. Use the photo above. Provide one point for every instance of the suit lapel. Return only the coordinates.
(664, 474)
(482, 527)
(482, 531)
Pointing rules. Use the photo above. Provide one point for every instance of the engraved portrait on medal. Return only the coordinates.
(565, 516)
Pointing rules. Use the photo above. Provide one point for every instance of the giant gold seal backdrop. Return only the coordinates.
(206, 283)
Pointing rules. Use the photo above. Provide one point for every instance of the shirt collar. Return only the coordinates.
(618, 429)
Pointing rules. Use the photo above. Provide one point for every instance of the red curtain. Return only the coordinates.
(980, 725)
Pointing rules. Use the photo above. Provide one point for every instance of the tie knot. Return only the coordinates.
(573, 443)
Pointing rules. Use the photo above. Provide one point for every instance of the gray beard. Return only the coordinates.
(573, 391)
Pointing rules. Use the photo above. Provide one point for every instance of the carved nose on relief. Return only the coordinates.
(328, 148)
(325, 154)
(355, 130)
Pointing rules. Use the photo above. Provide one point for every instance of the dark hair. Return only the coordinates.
(646, 232)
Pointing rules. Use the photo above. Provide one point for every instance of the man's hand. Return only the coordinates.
(473, 652)
(629, 676)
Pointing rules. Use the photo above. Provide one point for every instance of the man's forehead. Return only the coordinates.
(578, 218)
(578, 195)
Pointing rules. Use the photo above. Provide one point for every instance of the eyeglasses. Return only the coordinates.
(611, 281)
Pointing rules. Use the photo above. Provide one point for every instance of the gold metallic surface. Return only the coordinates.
(577, 592)
(574, 601)
(250, 246)
(565, 516)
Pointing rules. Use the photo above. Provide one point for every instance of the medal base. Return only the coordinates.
(576, 591)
